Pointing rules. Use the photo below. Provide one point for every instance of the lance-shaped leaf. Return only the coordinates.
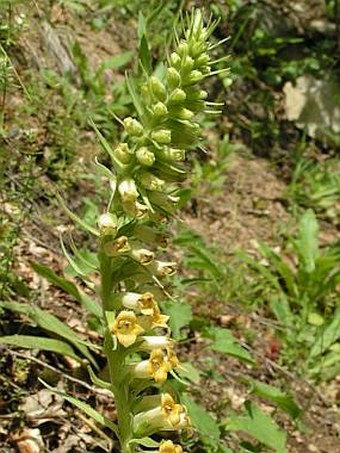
(68, 287)
(49, 322)
(95, 415)
(45, 344)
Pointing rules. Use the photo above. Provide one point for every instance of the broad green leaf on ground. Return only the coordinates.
(95, 415)
(328, 335)
(68, 287)
(260, 426)
(49, 322)
(281, 399)
(45, 344)
(180, 316)
(205, 424)
(225, 342)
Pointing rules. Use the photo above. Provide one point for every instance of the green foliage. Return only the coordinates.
(259, 426)
(303, 287)
(316, 185)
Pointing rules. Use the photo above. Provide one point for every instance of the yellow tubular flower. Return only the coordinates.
(171, 411)
(126, 328)
(157, 367)
(169, 447)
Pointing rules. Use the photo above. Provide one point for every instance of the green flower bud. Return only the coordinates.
(188, 64)
(195, 76)
(123, 153)
(145, 157)
(107, 224)
(197, 48)
(182, 49)
(193, 94)
(157, 88)
(162, 136)
(128, 190)
(184, 114)
(133, 127)
(151, 182)
(175, 154)
(202, 60)
(175, 60)
(174, 78)
(177, 95)
(160, 109)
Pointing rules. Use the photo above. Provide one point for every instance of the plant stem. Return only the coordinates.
(115, 358)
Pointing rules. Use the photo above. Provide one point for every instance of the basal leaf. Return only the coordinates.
(260, 426)
(225, 342)
(308, 249)
(328, 335)
(50, 323)
(45, 344)
(281, 399)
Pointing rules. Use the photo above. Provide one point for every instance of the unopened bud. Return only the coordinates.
(174, 78)
(175, 60)
(157, 88)
(175, 154)
(185, 114)
(182, 49)
(151, 182)
(128, 190)
(195, 76)
(160, 109)
(133, 127)
(162, 136)
(177, 95)
(202, 60)
(107, 224)
(123, 153)
(145, 157)
(188, 64)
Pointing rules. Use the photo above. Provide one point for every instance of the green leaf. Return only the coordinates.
(145, 442)
(328, 335)
(68, 287)
(49, 322)
(180, 316)
(76, 218)
(260, 426)
(307, 243)
(284, 401)
(282, 311)
(45, 344)
(95, 415)
(189, 372)
(134, 96)
(205, 424)
(116, 62)
(225, 342)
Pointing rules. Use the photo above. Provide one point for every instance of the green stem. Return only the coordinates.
(115, 360)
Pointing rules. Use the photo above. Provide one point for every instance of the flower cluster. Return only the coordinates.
(147, 167)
